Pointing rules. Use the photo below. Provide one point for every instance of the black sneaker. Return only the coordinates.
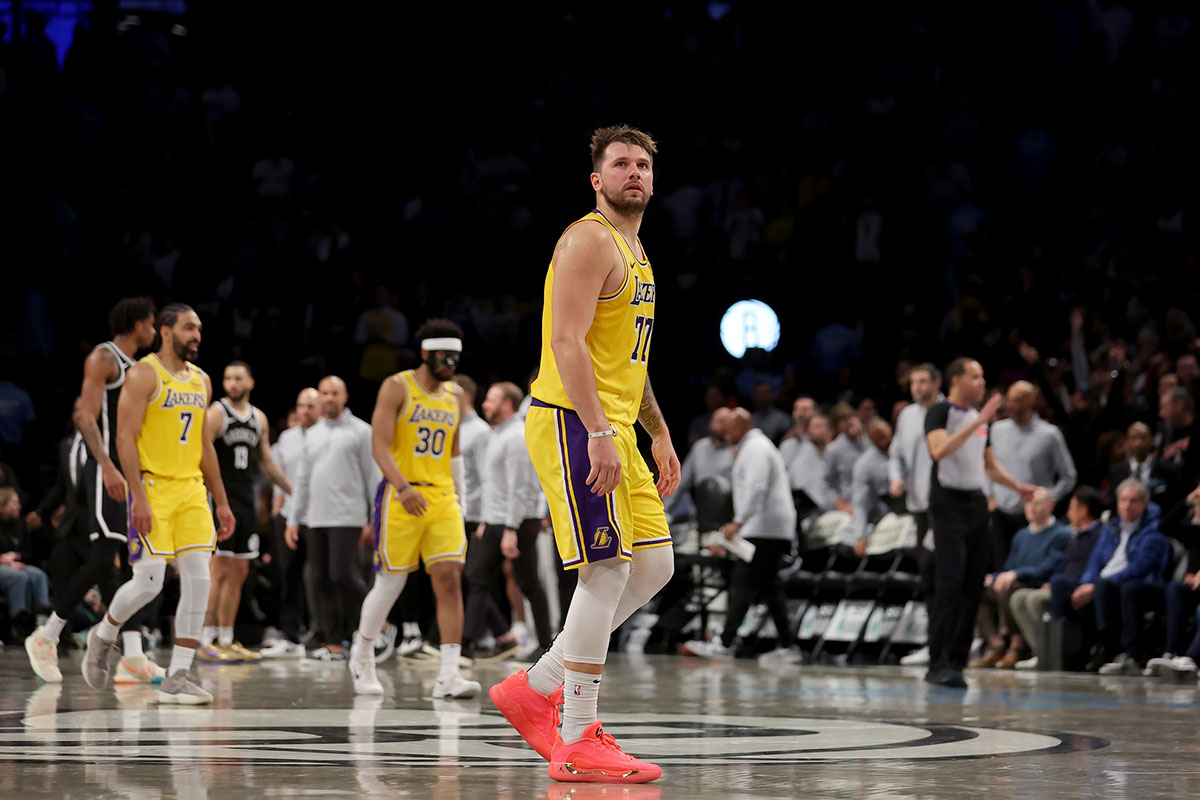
(946, 676)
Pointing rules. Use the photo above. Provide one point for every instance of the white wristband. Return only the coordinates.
(598, 434)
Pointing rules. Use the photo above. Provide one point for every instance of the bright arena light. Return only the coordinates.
(749, 323)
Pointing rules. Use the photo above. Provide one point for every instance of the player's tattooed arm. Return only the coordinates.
(650, 415)
(97, 371)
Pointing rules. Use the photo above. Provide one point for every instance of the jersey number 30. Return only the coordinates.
(430, 441)
(641, 349)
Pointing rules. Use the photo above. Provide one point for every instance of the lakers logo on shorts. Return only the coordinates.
(601, 538)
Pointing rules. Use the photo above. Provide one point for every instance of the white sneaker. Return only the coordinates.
(917, 658)
(283, 648)
(782, 656)
(271, 635)
(43, 656)
(714, 648)
(1184, 669)
(180, 689)
(1157, 667)
(1123, 664)
(411, 649)
(1028, 663)
(385, 643)
(362, 667)
(456, 687)
(138, 669)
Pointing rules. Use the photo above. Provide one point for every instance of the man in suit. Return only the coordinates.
(1141, 463)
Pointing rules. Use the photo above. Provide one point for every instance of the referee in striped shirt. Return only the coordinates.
(960, 445)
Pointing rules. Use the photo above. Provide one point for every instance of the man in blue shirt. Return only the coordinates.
(1037, 551)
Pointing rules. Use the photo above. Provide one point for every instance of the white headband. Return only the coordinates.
(444, 343)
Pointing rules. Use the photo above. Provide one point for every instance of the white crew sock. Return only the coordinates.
(411, 630)
(547, 674)
(208, 635)
(108, 631)
(520, 632)
(132, 640)
(225, 636)
(181, 659)
(450, 654)
(581, 693)
(53, 627)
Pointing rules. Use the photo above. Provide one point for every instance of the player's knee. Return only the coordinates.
(148, 578)
(447, 578)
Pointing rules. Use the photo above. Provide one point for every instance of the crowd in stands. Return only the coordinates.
(927, 202)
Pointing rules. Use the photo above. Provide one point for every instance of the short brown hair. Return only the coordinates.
(510, 392)
(840, 413)
(603, 137)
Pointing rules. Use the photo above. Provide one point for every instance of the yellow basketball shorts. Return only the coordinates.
(402, 541)
(181, 519)
(588, 527)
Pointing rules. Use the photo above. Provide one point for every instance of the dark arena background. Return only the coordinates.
(898, 185)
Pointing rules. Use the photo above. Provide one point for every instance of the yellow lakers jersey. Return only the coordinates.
(424, 433)
(171, 442)
(619, 339)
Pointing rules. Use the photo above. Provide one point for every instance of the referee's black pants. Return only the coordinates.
(961, 552)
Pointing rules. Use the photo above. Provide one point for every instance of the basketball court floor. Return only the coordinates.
(719, 729)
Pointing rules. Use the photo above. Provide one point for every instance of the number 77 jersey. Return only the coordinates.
(424, 433)
(171, 441)
(618, 340)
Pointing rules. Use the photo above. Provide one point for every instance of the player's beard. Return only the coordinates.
(184, 352)
(236, 398)
(626, 205)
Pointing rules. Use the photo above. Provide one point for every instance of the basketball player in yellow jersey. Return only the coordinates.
(167, 461)
(597, 326)
(414, 436)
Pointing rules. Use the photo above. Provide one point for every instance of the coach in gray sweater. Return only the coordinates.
(335, 488)
(1034, 452)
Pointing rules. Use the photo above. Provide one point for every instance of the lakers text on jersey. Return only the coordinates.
(421, 444)
(618, 339)
(587, 527)
(170, 446)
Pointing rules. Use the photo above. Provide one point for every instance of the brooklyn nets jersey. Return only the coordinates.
(112, 393)
(238, 451)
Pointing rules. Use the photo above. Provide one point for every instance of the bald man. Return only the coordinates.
(1033, 451)
(763, 514)
(335, 493)
(709, 457)
(292, 606)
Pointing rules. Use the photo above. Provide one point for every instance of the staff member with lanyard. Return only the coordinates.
(960, 446)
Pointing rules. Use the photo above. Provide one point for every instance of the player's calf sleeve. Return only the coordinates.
(651, 569)
(144, 586)
(589, 620)
(194, 584)
(378, 602)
